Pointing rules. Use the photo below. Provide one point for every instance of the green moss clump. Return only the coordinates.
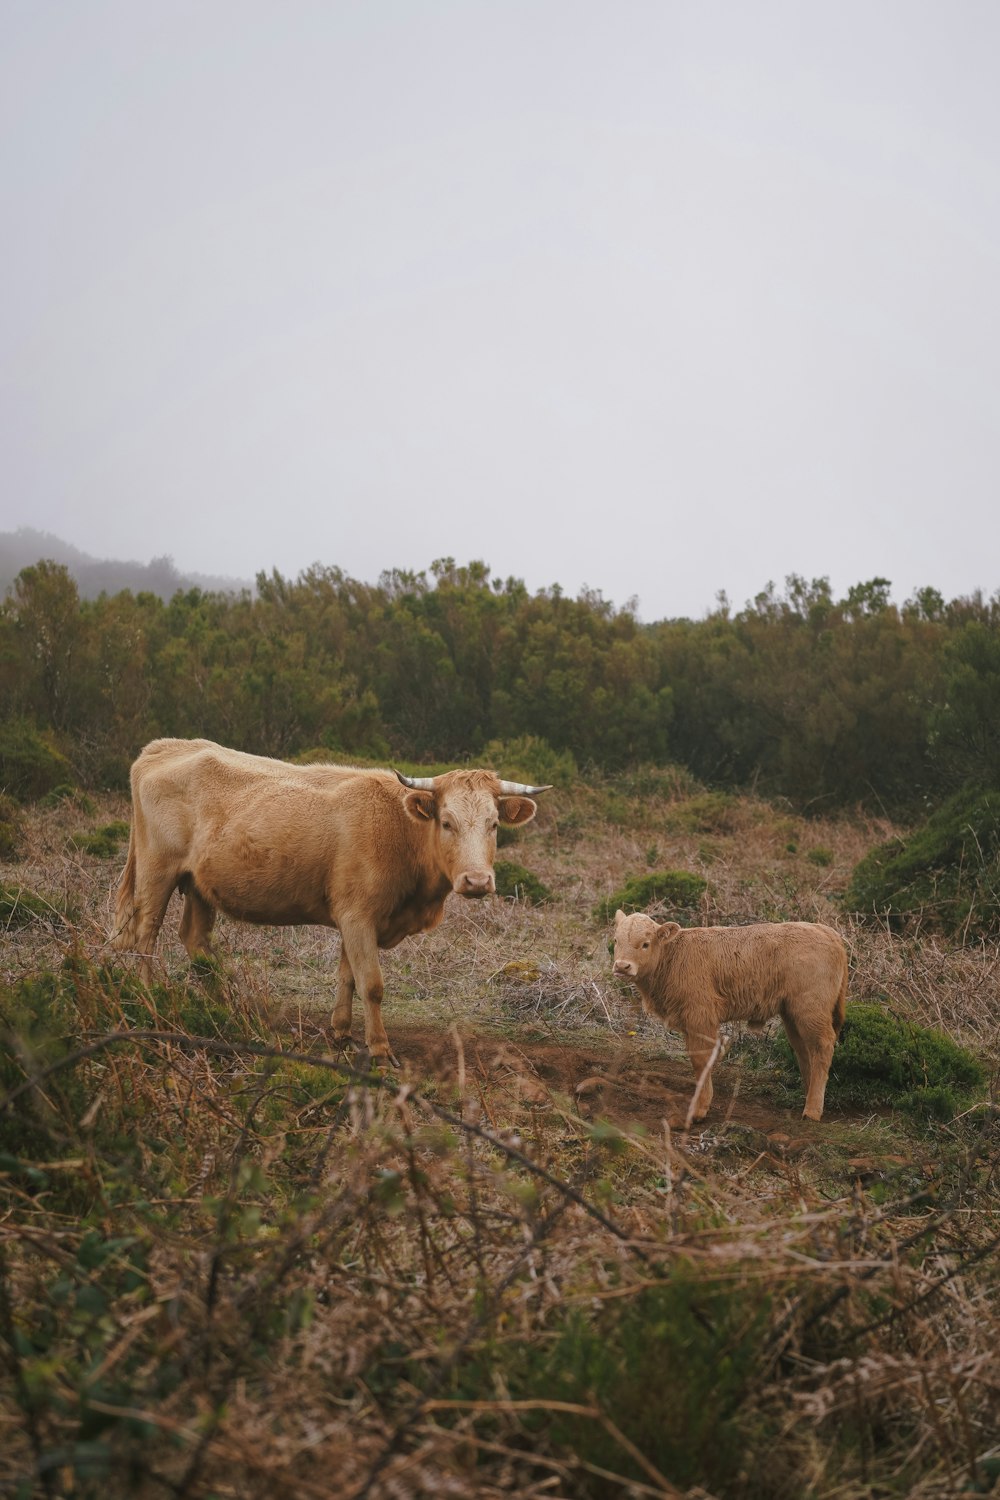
(881, 1059)
(103, 843)
(820, 856)
(19, 906)
(11, 828)
(516, 882)
(66, 792)
(947, 874)
(710, 812)
(677, 891)
(30, 764)
(532, 760)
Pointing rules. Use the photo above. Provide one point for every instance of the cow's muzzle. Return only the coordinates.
(475, 883)
(624, 966)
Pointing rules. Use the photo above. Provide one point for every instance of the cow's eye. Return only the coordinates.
(449, 827)
(646, 943)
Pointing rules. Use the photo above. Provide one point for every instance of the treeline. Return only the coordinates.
(828, 702)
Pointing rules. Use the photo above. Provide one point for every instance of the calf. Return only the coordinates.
(694, 978)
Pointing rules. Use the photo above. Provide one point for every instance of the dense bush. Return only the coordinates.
(824, 701)
(880, 1059)
(30, 764)
(11, 828)
(947, 874)
(516, 882)
(676, 893)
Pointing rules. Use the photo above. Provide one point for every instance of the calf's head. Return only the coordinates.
(639, 943)
(460, 811)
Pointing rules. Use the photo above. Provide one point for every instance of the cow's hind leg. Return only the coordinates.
(152, 897)
(361, 950)
(343, 1010)
(813, 1040)
(197, 922)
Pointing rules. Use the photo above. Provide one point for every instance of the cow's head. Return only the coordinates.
(461, 810)
(639, 942)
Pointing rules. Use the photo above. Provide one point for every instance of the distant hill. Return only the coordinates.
(94, 575)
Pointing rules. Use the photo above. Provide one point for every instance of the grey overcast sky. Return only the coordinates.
(654, 298)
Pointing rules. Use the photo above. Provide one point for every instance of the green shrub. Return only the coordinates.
(66, 792)
(30, 765)
(103, 843)
(882, 1059)
(38, 1027)
(673, 1367)
(676, 891)
(531, 760)
(11, 828)
(711, 812)
(19, 906)
(820, 856)
(516, 882)
(947, 873)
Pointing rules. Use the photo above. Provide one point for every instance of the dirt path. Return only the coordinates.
(615, 1082)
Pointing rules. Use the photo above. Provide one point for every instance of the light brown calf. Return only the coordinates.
(694, 978)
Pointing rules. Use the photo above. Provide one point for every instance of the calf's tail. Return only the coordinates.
(840, 1004)
(124, 936)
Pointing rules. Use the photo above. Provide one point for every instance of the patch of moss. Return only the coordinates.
(947, 873)
(102, 843)
(11, 828)
(515, 882)
(676, 891)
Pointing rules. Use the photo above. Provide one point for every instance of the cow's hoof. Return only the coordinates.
(384, 1059)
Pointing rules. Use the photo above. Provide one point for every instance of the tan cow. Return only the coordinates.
(696, 977)
(372, 853)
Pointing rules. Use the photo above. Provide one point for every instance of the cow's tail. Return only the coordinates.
(124, 935)
(840, 1004)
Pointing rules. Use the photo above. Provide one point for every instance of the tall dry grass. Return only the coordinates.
(242, 1266)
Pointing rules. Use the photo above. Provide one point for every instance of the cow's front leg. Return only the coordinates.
(362, 956)
(343, 1010)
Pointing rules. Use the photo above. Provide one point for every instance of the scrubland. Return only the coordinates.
(234, 1262)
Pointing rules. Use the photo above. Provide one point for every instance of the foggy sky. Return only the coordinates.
(657, 298)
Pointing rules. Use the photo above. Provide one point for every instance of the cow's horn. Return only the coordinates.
(518, 789)
(417, 783)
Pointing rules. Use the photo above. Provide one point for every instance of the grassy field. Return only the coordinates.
(234, 1262)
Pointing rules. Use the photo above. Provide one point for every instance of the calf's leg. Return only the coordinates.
(813, 1039)
(701, 1043)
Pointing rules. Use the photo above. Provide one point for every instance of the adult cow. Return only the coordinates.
(371, 852)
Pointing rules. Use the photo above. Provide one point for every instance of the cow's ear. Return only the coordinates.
(667, 931)
(420, 805)
(619, 916)
(516, 810)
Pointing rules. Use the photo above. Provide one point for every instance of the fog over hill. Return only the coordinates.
(96, 575)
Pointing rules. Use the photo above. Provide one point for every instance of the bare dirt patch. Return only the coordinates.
(521, 1081)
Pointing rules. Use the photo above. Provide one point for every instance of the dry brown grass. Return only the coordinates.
(356, 1288)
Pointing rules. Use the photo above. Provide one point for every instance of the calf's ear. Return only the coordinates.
(420, 805)
(516, 810)
(667, 931)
